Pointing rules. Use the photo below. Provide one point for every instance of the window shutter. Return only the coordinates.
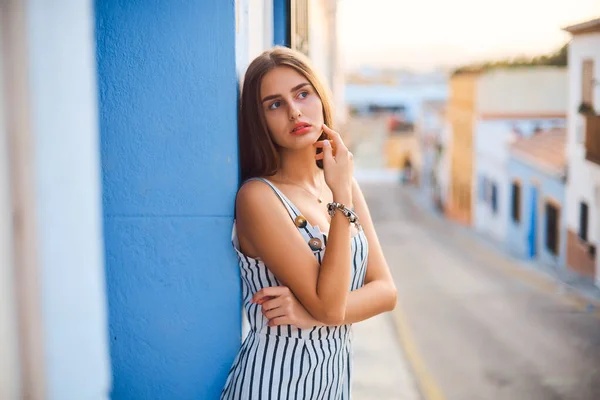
(494, 198)
(587, 82)
(516, 202)
(583, 221)
(299, 17)
(552, 228)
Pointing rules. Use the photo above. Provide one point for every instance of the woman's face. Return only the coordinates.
(293, 110)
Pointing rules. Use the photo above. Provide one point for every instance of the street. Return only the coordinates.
(473, 324)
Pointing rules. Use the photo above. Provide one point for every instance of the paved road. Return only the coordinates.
(478, 329)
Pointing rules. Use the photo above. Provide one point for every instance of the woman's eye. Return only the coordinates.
(303, 94)
(275, 105)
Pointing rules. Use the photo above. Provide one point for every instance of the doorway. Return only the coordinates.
(552, 234)
(532, 235)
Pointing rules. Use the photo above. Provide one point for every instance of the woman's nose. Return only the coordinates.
(295, 113)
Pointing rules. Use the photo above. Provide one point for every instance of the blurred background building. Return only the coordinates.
(535, 216)
(511, 103)
(507, 146)
(583, 149)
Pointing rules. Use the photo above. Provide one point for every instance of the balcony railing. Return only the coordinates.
(592, 139)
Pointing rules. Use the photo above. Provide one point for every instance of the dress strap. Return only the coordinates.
(293, 211)
(291, 208)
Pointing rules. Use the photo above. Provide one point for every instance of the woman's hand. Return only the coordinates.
(338, 165)
(280, 307)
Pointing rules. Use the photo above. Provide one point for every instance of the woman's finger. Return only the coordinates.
(284, 320)
(261, 300)
(335, 137)
(272, 303)
(274, 313)
(320, 144)
(270, 291)
(319, 156)
(327, 154)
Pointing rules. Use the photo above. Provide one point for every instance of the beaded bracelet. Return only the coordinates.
(350, 214)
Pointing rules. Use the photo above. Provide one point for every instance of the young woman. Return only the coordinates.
(311, 264)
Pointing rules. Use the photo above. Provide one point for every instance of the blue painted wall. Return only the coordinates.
(280, 23)
(549, 187)
(167, 84)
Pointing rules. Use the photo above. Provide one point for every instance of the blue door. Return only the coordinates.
(532, 236)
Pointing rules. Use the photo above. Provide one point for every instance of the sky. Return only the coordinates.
(426, 34)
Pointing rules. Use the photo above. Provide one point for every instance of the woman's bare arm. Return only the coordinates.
(378, 295)
(264, 222)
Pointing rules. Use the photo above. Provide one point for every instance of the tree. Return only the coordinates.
(557, 58)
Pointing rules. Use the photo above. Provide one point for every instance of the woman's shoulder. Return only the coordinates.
(257, 210)
(255, 195)
(253, 187)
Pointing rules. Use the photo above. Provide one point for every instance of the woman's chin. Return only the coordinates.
(299, 142)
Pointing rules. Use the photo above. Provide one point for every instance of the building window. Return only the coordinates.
(583, 221)
(487, 191)
(494, 198)
(516, 202)
(482, 184)
(299, 17)
(587, 82)
(552, 213)
(580, 133)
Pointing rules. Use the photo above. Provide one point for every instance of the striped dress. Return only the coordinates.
(286, 362)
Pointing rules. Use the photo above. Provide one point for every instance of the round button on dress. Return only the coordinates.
(300, 221)
(315, 244)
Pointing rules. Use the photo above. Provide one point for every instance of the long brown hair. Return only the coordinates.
(258, 152)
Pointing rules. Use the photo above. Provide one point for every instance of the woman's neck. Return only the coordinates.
(300, 167)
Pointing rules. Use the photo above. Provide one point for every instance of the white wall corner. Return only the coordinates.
(64, 118)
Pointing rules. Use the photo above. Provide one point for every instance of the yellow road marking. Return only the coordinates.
(427, 385)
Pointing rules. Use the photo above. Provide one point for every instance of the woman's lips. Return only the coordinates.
(301, 130)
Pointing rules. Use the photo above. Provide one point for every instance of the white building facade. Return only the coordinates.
(510, 103)
(53, 312)
(583, 185)
(441, 170)
(430, 129)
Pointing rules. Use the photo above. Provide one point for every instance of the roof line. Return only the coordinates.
(535, 163)
(516, 115)
(592, 25)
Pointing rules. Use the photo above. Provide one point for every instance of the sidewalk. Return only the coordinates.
(380, 369)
